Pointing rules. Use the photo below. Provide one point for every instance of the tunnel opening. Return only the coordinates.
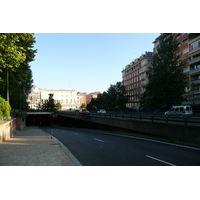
(40, 120)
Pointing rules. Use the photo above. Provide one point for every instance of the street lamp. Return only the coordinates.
(192, 86)
(20, 83)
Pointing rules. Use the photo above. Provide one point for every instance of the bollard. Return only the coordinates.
(185, 121)
(152, 118)
(51, 133)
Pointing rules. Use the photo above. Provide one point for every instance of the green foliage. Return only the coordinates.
(17, 65)
(4, 108)
(165, 78)
(12, 51)
(58, 106)
(83, 105)
(114, 99)
(49, 105)
(21, 114)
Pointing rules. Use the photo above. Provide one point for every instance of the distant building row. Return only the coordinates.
(134, 74)
(68, 98)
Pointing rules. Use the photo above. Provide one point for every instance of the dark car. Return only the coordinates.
(84, 111)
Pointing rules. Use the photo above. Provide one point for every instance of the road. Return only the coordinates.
(96, 148)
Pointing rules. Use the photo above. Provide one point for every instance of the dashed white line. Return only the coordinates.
(160, 160)
(76, 134)
(98, 140)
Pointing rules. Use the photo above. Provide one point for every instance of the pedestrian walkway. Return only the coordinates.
(33, 147)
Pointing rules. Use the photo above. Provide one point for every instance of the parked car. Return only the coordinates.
(84, 111)
(181, 111)
(102, 111)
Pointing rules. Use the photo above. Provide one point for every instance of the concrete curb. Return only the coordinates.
(66, 150)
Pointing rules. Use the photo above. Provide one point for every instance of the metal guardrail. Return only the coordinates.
(151, 118)
(183, 120)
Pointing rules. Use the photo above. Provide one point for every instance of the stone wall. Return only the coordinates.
(7, 129)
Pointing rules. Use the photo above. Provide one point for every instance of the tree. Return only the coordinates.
(4, 108)
(49, 105)
(83, 105)
(58, 106)
(165, 78)
(16, 52)
(117, 96)
(114, 98)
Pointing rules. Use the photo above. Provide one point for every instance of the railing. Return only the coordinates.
(194, 71)
(183, 120)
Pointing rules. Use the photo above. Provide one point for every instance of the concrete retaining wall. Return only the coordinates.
(184, 133)
(7, 129)
(20, 123)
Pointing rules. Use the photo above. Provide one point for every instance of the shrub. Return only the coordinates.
(4, 109)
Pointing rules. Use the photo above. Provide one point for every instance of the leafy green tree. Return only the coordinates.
(117, 96)
(83, 105)
(58, 106)
(49, 105)
(114, 98)
(4, 108)
(20, 74)
(165, 78)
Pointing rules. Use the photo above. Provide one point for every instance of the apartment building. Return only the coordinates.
(194, 69)
(84, 98)
(68, 98)
(182, 52)
(134, 78)
(189, 52)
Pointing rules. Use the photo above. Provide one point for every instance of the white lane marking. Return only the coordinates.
(152, 140)
(160, 160)
(98, 140)
(76, 134)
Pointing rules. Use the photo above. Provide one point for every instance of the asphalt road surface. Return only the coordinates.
(98, 148)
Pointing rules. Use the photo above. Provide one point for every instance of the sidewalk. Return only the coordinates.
(33, 147)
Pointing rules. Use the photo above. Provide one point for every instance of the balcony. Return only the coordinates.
(194, 72)
(194, 60)
(191, 40)
(195, 81)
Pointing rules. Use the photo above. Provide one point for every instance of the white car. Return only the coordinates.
(181, 111)
(102, 111)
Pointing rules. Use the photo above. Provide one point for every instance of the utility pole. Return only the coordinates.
(20, 83)
(8, 87)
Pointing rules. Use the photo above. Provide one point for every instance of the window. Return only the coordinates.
(184, 41)
(177, 36)
(185, 69)
(194, 45)
(185, 50)
(179, 44)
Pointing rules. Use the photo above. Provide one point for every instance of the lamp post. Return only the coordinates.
(192, 85)
(20, 83)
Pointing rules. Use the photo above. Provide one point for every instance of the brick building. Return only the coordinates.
(134, 78)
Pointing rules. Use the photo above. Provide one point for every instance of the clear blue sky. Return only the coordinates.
(86, 62)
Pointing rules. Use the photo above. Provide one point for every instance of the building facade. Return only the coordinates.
(189, 54)
(134, 78)
(193, 97)
(68, 98)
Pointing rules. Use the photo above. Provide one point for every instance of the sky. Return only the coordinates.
(86, 62)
